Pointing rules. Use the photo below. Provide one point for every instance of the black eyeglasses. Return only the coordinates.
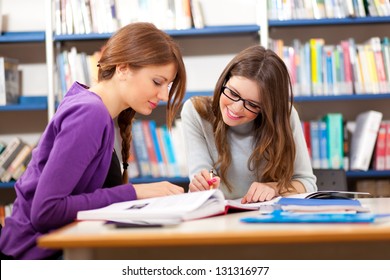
(249, 105)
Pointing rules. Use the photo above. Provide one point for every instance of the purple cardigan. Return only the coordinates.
(65, 175)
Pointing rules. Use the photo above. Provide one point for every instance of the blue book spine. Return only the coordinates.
(140, 149)
(160, 161)
(315, 144)
(323, 138)
(173, 166)
(335, 137)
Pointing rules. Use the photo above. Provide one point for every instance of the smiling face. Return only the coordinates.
(144, 88)
(233, 112)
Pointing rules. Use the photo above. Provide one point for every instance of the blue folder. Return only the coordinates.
(317, 202)
(279, 216)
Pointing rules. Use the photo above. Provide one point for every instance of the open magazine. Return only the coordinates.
(170, 209)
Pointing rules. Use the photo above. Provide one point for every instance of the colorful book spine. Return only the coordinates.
(323, 138)
(157, 148)
(9, 154)
(174, 170)
(315, 144)
(380, 148)
(141, 150)
(18, 160)
(335, 149)
(387, 153)
(150, 148)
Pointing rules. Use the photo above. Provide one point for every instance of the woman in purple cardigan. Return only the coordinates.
(75, 161)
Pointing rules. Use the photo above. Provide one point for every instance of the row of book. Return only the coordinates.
(75, 66)
(318, 68)
(9, 80)
(157, 152)
(5, 211)
(318, 9)
(360, 145)
(106, 16)
(14, 158)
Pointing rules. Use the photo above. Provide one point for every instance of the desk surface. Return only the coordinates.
(220, 231)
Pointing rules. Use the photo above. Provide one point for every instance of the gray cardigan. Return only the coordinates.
(201, 151)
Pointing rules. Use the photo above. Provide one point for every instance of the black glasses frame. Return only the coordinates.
(238, 98)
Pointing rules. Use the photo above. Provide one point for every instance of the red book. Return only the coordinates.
(380, 148)
(150, 148)
(387, 152)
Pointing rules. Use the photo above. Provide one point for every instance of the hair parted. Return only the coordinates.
(140, 45)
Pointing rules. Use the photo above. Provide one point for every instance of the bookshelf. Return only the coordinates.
(218, 42)
(27, 118)
(333, 30)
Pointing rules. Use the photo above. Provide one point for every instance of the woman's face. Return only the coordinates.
(244, 90)
(146, 87)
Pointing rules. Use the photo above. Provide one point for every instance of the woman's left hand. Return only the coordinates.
(259, 192)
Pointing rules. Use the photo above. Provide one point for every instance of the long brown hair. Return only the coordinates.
(140, 45)
(273, 155)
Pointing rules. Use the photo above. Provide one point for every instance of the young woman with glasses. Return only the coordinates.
(74, 167)
(248, 132)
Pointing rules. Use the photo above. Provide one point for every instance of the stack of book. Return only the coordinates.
(14, 158)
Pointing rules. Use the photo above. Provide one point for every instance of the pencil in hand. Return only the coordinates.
(211, 177)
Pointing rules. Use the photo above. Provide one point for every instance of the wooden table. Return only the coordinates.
(225, 237)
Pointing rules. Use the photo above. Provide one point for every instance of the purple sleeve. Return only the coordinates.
(83, 137)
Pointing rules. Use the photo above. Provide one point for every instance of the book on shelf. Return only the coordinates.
(179, 144)
(9, 80)
(2, 146)
(364, 138)
(385, 46)
(141, 152)
(323, 138)
(334, 135)
(10, 153)
(197, 14)
(380, 148)
(170, 209)
(1, 17)
(379, 64)
(151, 148)
(170, 152)
(387, 146)
(162, 168)
(315, 144)
(19, 159)
(5, 211)
(19, 170)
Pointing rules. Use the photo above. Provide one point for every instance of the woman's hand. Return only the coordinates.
(202, 181)
(259, 192)
(156, 189)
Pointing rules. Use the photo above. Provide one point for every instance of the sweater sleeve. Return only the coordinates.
(67, 182)
(195, 130)
(303, 171)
